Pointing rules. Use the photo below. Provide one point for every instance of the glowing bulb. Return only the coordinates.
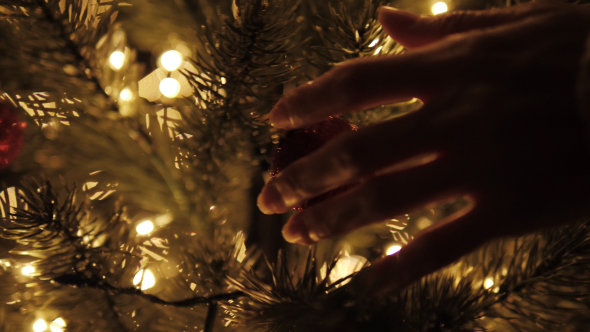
(28, 270)
(145, 278)
(170, 87)
(488, 283)
(439, 7)
(393, 249)
(145, 227)
(347, 266)
(171, 60)
(58, 325)
(40, 325)
(117, 60)
(126, 94)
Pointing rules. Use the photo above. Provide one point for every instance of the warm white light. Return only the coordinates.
(439, 8)
(347, 266)
(374, 42)
(171, 60)
(117, 60)
(58, 325)
(146, 278)
(40, 325)
(145, 227)
(170, 87)
(488, 283)
(393, 249)
(28, 270)
(126, 94)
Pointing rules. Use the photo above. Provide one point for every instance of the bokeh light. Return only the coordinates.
(393, 249)
(145, 227)
(117, 60)
(58, 325)
(439, 8)
(171, 60)
(126, 94)
(145, 278)
(488, 283)
(40, 325)
(28, 270)
(169, 87)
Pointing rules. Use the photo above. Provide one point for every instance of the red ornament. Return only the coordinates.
(11, 135)
(301, 142)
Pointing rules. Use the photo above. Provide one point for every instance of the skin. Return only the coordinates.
(499, 124)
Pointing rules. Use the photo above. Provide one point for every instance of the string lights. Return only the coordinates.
(40, 325)
(126, 94)
(171, 60)
(117, 60)
(439, 8)
(58, 325)
(393, 249)
(145, 227)
(170, 87)
(144, 279)
(28, 270)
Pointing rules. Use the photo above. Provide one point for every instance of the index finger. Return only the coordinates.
(362, 84)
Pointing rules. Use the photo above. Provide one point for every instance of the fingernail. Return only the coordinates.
(398, 18)
(270, 201)
(279, 117)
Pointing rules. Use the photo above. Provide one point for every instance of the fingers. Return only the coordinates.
(361, 84)
(347, 159)
(412, 30)
(376, 200)
(434, 249)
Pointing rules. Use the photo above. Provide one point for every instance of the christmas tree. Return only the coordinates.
(134, 141)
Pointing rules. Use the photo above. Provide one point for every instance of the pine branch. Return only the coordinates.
(48, 59)
(350, 30)
(79, 280)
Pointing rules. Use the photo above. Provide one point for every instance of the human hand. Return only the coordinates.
(499, 123)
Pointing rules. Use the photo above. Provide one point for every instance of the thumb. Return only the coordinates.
(411, 30)
(434, 249)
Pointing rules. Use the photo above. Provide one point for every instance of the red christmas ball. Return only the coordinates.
(11, 135)
(301, 142)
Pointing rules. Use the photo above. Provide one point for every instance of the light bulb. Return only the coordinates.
(28, 270)
(439, 8)
(488, 283)
(146, 278)
(347, 266)
(40, 325)
(171, 60)
(170, 87)
(126, 94)
(393, 249)
(58, 325)
(145, 227)
(117, 60)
